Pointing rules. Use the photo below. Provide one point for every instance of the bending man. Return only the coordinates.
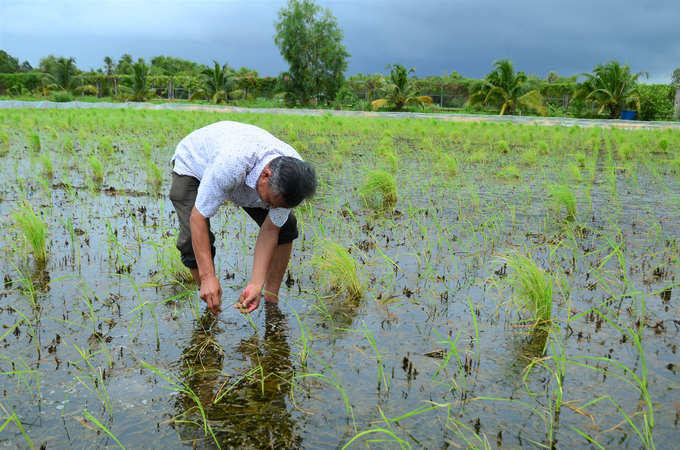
(250, 168)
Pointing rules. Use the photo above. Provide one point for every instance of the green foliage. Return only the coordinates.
(563, 197)
(64, 76)
(398, 91)
(675, 77)
(34, 142)
(336, 269)
(171, 66)
(656, 102)
(97, 168)
(138, 88)
(611, 86)
(507, 89)
(8, 64)
(48, 166)
(215, 83)
(310, 41)
(4, 140)
(62, 97)
(345, 98)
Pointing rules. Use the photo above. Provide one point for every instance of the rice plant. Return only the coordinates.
(34, 142)
(563, 197)
(97, 168)
(502, 147)
(379, 187)
(154, 175)
(533, 288)
(169, 261)
(4, 141)
(449, 165)
(48, 166)
(335, 269)
(33, 229)
(626, 151)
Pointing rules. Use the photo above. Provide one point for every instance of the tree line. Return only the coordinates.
(310, 41)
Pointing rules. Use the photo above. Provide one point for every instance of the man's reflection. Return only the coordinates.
(251, 410)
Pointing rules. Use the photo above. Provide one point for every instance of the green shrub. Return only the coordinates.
(62, 97)
(656, 102)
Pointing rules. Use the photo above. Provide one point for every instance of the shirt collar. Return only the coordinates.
(254, 174)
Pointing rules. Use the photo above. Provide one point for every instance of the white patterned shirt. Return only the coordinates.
(228, 158)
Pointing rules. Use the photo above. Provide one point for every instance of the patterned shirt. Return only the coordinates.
(228, 158)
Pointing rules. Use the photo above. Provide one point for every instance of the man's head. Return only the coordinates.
(286, 182)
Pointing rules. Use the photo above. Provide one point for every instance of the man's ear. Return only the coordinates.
(266, 174)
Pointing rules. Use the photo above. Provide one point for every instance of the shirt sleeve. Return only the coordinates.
(279, 216)
(214, 189)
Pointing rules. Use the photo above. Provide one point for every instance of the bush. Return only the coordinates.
(656, 102)
(62, 97)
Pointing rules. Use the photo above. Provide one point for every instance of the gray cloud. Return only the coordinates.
(435, 36)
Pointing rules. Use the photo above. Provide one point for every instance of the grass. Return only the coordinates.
(96, 168)
(335, 269)
(563, 197)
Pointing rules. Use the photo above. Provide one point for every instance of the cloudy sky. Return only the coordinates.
(540, 36)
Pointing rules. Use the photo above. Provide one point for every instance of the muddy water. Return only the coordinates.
(100, 315)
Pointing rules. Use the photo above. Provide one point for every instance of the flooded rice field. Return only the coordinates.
(455, 285)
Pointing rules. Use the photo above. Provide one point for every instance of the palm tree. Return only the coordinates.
(508, 89)
(215, 83)
(137, 86)
(65, 76)
(398, 91)
(612, 86)
(108, 61)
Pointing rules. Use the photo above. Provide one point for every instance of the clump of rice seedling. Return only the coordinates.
(529, 157)
(574, 173)
(379, 187)
(580, 159)
(97, 168)
(48, 166)
(449, 165)
(4, 140)
(319, 140)
(153, 174)
(34, 142)
(502, 146)
(478, 157)
(292, 136)
(33, 229)
(67, 144)
(626, 151)
(558, 138)
(105, 146)
(563, 197)
(146, 149)
(510, 172)
(543, 148)
(467, 145)
(335, 269)
(391, 160)
(662, 144)
(533, 288)
(169, 262)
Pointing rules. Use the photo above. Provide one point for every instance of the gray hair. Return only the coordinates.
(292, 178)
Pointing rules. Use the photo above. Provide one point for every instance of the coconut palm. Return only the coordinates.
(611, 86)
(65, 76)
(137, 88)
(215, 83)
(508, 89)
(399, 91)
(108, 61)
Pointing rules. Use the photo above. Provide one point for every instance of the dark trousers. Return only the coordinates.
(183, 196)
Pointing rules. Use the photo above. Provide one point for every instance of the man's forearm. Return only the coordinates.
(267, 239)
(200, 241)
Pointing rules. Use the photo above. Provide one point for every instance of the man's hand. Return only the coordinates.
(249, 300)
(211, 293)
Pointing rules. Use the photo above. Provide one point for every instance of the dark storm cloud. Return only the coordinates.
(435, 36)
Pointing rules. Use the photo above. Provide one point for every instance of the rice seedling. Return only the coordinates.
(48, 166)
(530, 156)
(34, 142)
(154, 175)
(4, 142)
(542, 148)
(510, 172)
(379, 188)
(502, 147)
(96, 168)
(33, 229)
(335, 269)
(626, 151)
(533, 289)
(169, 263)
(449, 165)
(105, 146)
(478, 157)
(562, 196)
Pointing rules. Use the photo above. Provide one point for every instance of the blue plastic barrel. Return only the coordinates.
(628, 115)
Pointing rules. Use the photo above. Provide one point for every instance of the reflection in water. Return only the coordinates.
(251, 410)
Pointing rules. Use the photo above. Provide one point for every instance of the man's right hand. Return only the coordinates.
(211, 293)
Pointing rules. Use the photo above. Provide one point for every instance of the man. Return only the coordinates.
(252, 169)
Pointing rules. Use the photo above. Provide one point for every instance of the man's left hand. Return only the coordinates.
(249, 300)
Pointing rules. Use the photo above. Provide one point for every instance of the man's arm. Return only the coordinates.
(267, 240)
(211, 291)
